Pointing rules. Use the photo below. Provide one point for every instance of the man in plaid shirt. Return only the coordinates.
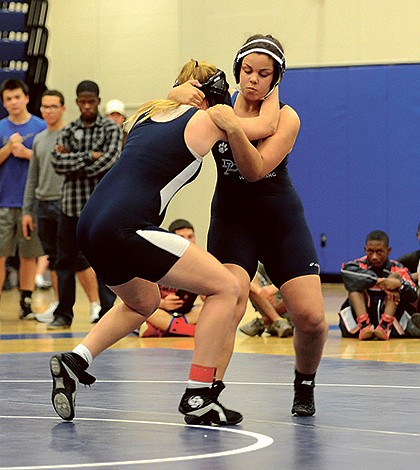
(85, 150)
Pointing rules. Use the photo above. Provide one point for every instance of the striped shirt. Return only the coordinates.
(81, 171)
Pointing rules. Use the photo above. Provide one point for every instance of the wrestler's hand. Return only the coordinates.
(224, 117)
(187, 93)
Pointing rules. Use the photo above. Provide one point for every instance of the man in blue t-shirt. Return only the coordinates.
(17, 132)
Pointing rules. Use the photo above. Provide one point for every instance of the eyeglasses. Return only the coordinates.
(53, 107)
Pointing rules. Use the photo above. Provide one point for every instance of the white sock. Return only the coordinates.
(195, 384)
(83, 352)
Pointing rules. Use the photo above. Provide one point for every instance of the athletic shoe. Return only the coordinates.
(58, 323)
(25, 309)
(42, 283)
(281, 328)
(304, 403)
(366, 330)
(48, 315)
(253, 328)
(201, 406)
(415, 318)
(383, 330)
(95, 310)
(67, 370)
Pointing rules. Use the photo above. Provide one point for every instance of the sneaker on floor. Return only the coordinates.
(304, 403)
(42, 283)
(58, 323)
(67, 371)
(95, 310)
(253, 328)
(366, 330)
(383, 330)
(281, 328)
(25, 309)
(48, 315)
(201, 406)
(415, 318)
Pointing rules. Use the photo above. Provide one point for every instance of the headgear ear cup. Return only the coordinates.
(261, 46)
(215, 88)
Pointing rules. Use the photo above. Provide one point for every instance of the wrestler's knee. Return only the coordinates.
(144, 305)
(310, 321)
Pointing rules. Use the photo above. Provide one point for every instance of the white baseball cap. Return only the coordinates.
(115, 106)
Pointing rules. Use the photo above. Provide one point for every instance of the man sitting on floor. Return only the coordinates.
(381, 292)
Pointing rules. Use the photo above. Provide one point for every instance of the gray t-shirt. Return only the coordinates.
(43, 182)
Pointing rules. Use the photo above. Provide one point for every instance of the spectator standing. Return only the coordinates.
(115, 110)
(17, 132)
(41, 206)
(85, 150)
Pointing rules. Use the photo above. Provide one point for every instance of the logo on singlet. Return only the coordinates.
(315, 265)
(229, 166)
(223, 147)
(273, 174)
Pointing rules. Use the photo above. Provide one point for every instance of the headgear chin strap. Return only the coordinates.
(261, 46)
(215, 88)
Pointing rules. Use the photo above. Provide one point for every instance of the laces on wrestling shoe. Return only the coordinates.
(366, 330)
(383, 330)
(304, 402)
(201, 406)
(67, 370)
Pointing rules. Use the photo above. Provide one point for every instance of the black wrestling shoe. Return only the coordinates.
(201, 406)
(67, 371)
(304, 403)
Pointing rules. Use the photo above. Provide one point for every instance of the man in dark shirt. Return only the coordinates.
(411, 260)
(379, 292)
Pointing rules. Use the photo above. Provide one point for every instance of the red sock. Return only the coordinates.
(202, 374)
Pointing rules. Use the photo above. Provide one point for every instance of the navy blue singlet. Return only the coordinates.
(260, 221)
(118, 229)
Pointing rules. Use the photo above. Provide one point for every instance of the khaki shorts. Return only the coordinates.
(11, 235)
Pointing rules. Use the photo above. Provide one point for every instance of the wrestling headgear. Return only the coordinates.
(215, 88)
(263, 45)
